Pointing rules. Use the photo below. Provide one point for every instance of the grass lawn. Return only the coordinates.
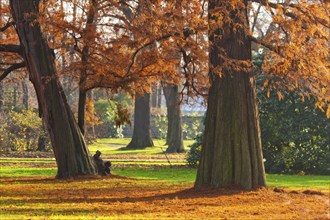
(177, 175)
(152, 193)
(145, 187)
(115, 146)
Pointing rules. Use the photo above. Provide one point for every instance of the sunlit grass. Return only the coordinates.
(114, 146)
(27, 171)
(27, 160)
(176, 174)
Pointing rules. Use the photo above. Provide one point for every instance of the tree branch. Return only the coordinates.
(271, 47)
(11, 48)
(275, 6)
(290, 14)
(142, 47)
(10, 69)
(8, 25)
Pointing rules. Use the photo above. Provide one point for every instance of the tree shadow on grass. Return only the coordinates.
(88, 195)
(51, 180)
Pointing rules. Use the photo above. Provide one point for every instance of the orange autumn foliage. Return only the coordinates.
(91, 117)
(134, 44)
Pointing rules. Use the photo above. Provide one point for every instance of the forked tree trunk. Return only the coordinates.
(174, 128)
(231, 148)
(71, 153)
(141, 130)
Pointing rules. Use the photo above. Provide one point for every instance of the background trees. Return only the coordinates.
(131, 46)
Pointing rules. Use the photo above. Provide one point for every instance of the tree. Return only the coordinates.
(89, 38)
(231, 149)
(71, 153)
(174, 128)
(25, 95)
(141, 131)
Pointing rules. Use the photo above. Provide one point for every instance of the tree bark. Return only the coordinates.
(174, 129)
(71, 153)
(231, 148)
(141, 130)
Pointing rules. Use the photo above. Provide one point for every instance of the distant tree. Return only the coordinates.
(174, 128)
(141, 129)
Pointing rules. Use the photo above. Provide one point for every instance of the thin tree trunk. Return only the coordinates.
(71, 153)
(174, 128)
(25, 95)
(141, 130)
(1, 97)
(82, 110)
(89, 38)
(15, 97)
(231, 148)
(159, 97)
(154, 96)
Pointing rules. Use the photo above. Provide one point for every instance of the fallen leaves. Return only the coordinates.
(125, 198)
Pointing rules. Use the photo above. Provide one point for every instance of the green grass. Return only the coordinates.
(25, 172)
(166, 173)
(115, 146)
(294, 181)
(188, 175)
(27, 160)
(180, 175)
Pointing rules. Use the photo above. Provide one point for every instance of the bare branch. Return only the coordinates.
(10, 48)
(8, 25)
(271, 47)
(275, 6)
(290, 14)
(10, 69)
(255, 18)
(142, 47)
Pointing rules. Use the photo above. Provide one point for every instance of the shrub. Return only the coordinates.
(194, 153)
(21, 130)
(112, 116)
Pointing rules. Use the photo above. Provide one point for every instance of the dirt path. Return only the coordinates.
(125, 198)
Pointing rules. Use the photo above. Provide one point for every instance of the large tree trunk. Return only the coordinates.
(71, 153)
(174, 128)
(141, 130)
(231, 149)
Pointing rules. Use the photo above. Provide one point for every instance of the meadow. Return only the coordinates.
(143, 185)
